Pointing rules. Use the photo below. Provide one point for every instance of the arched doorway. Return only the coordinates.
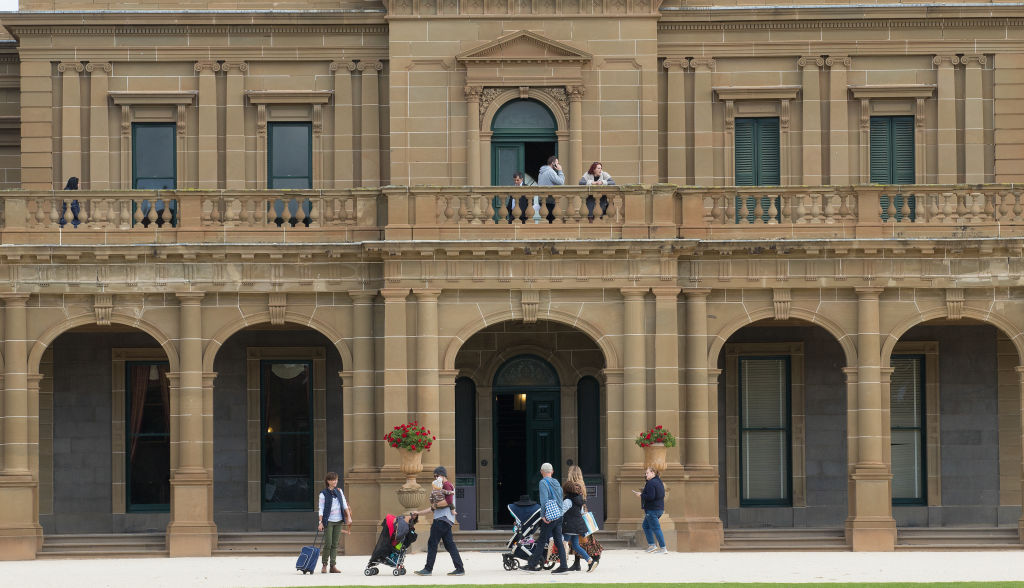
(527, 431)
(523, 139)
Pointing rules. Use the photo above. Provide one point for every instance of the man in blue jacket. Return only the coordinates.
(550, 489)
(652, 501)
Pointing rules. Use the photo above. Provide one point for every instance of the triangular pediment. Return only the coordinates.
(524, 46)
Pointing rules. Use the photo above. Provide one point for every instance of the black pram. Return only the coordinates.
(395, 538)
(523, 543)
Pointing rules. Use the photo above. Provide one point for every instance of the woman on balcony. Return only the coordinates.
(596, 176)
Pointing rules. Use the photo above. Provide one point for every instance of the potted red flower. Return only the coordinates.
(411, 439)
(655, 443)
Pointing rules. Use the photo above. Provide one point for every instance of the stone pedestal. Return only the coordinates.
(191, 532)
(698, 527)
(871, 526)
(21, 536)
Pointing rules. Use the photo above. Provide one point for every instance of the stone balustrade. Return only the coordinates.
(661, 211)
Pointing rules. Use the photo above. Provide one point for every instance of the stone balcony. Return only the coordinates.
(662, 211)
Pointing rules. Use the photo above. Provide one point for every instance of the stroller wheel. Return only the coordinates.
(397, 572)
(369, 571)
(403, 572)
(514, 564)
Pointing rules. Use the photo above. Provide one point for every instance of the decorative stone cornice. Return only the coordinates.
(524, 47)
(402, 9)
(757, 92)
(893, 91)
(151, 98)
(289, 96)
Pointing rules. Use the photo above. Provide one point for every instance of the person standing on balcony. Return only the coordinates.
(72, 183)
(551, 174)
(596, 176)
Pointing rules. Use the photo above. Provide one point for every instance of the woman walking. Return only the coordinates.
(572, 526)
(652, 501)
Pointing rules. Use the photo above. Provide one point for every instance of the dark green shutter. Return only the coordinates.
(744, 132)
(768, 152)
(892, 150)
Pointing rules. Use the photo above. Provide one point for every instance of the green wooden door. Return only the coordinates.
(507, 159)
(543, 439)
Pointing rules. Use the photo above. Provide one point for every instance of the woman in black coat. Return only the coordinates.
(573, 527)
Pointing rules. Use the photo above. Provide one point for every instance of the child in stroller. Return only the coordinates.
(396, 535)
(520, 546)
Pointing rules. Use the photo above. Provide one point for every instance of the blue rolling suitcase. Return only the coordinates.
(308, 557)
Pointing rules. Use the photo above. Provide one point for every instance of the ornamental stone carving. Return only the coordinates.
(103, 66)
(526, 371)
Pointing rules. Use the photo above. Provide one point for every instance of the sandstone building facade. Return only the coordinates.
(294, 231)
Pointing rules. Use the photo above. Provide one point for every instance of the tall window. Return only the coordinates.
(154, 156)
(148, 437)
(465, 426)
(906, 402)
(290, 160)
(757, 151)
(765, 431)
(588, 412)
(892, 150)
(286, 420)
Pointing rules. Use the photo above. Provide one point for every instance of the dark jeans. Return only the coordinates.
(547, 531)
(652, 527)
(574, 542)
(440, 531)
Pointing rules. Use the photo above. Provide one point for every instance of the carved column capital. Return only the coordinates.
(235, 65)
(838, 61)
(473, 93)
(811, 61)
(974, 60)
(206, 65)
(103, 66)
(945, 60)
(344, 64)
(575, 93)
(676, 64)
(65, 66)
(702, 63)
(373, 65)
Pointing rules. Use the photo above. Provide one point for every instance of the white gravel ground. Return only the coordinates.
(485, 568)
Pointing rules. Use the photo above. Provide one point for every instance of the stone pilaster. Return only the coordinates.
(473, 154)
(675, 133)
(234, 134)
(634, 415)
(1020, 466)
(71, 118)
(191, 532)
(209, 159)
(703, 133)
(20, 533)
(839, 125)
(369, 147)
(698, 527)
(99, 139)
(343, 132)
(947, 171)
(427, 400)
(810, 99)
(974, 119)
(870, 526)
(396, 365)
(575, 94)
(666, 397)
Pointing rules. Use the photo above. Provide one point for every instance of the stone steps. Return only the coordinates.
(957, 538)
(101, 545)
(263, 543)
(785, 540)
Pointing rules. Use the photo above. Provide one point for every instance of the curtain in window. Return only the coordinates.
(139, 382)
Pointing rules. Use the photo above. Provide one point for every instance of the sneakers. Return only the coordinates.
(652, 548)
(560, 570)
(592, 565)
(662, 550)
(530, 568)
(457, 573)
(422, 572)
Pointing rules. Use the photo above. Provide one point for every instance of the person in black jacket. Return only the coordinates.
(652, 501)
(573, 526)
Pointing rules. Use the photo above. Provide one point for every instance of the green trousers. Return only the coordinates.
(332, 534)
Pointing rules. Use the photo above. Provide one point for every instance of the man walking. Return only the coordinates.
(441, 528)
(550, 490)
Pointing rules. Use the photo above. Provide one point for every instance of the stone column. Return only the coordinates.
(427, 398)
(947, 171)
(622, 512)
(811, 101)
(634, 409)
(209, 158)
(699, 528)
(20, 533)
(191, 532)
(396, 365)
(71, 119)
(1020, 469)
(839, 134)
(675, 136)
(974, 120)
(703, 133)
(364, 437)
(473, 135)
(370, 140)
(870, 526)
(99, 125)
(445, 444)
(344, 173)
(575, 94)
(666, 362)
(234, 134)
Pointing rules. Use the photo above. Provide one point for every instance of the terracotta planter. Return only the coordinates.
(412, 462)
(654, 456)
(411, 495)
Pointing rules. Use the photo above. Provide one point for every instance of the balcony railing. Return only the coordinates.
(660, 211)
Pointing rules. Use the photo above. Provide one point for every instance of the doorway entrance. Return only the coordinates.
(527, 429)
(523, 138)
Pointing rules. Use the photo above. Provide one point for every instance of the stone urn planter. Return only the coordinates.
(411, 495)
(654, 456)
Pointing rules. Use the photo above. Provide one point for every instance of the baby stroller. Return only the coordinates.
(395, 538)
(523, 543)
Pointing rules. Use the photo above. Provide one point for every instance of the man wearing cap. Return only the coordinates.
(441, 528)
(550, 489)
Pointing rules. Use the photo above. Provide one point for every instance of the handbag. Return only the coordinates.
(591, 546)
(552, 509)
(590, 522)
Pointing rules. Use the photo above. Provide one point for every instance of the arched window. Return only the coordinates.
(523, 138)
